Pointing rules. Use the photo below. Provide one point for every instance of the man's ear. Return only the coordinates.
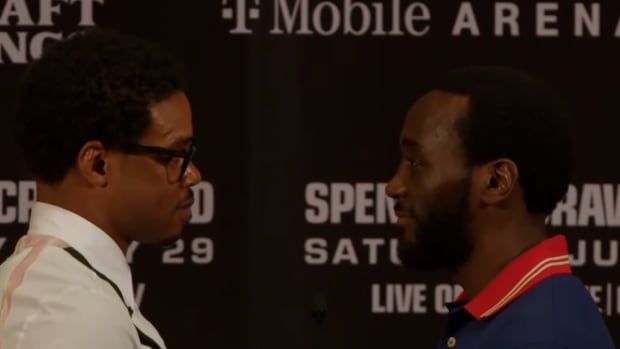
(500, 177)
(93, 164)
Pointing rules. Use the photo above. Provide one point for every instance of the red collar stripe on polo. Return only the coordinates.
(550, 257)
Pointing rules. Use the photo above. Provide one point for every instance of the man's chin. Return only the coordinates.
(170, 241)
(166, 240)
(409, 236)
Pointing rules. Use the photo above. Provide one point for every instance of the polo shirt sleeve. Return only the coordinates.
(77, 318)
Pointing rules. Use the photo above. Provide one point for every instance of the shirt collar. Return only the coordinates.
(547, 258)
(92, 242)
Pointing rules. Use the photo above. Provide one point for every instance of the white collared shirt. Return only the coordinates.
(51, 300)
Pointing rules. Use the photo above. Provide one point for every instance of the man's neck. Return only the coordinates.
(80, 203)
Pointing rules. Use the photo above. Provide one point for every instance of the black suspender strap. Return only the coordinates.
(144, 339)
(83, 260)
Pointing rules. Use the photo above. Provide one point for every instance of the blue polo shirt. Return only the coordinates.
(533, 303)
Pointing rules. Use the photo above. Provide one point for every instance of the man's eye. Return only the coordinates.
(164, 158)
(411, 163)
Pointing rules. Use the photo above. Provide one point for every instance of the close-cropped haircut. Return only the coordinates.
(95, 85)
(515, 115)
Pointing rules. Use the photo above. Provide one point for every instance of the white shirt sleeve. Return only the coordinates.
(77, 318)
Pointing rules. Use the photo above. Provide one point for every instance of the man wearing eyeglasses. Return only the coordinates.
(107, 133)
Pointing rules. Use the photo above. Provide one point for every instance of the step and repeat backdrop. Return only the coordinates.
(297, 107)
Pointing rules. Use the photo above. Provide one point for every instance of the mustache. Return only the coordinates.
(188, 201)
(398, 207)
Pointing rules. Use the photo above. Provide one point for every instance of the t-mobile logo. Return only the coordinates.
(240, 11)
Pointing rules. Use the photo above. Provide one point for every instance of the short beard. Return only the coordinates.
(441, 239)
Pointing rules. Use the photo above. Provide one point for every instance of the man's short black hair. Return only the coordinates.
(515, 115)
(97, 84)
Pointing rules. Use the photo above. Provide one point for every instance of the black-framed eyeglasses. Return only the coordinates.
(177, 161)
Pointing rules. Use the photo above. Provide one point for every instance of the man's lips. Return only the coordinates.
(404, 218)
(184, 208)
(186, 203)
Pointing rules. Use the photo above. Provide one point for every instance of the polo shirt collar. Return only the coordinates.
(547, 258)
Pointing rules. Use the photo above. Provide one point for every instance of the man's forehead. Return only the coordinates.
(172, 135)
(171, 120)
(434, 115)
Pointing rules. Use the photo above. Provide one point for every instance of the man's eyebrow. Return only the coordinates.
(409, 143)
(182, 141)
